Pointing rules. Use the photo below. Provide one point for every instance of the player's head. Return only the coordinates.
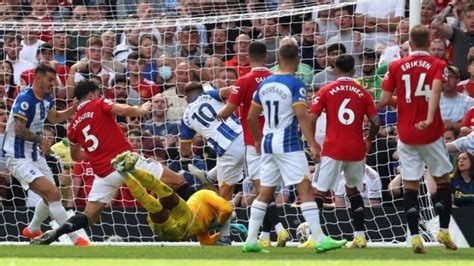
(192, 89)
(344, 66)
(419, 38)
(86, 90)
(288, 57)
(258, 53)
(45, 77)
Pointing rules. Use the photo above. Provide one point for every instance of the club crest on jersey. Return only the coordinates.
(302, 94)
(24, 106)
(108, 101)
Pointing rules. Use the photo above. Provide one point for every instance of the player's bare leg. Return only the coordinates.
(443, 206)
(358, 213)
(50, 194)
(412, 212)
(226, 191)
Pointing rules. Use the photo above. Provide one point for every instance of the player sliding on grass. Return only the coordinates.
(346, 104)
(169, 216)
(282, 100)
(418, 81)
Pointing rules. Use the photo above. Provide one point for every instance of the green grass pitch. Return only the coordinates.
(155, 255)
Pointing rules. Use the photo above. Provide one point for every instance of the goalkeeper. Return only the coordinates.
(170, 217)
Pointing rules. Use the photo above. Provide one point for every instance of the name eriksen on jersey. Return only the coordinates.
(346, 88)
(81, 118)
(417, 63)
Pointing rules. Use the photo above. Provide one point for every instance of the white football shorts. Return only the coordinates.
(327, 175)
(291, 168)
(27, 170)
(230, 166)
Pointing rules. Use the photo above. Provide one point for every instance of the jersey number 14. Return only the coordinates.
(422, 89)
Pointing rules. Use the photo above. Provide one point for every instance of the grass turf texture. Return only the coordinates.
(155, 255)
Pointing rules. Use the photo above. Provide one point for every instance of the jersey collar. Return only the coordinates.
(82, 104)
(259, 69)
(345, 79)
(419, 53)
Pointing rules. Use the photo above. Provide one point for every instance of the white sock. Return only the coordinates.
(225, 229)
(41, 214)
(264, 235)
(257, 212)
(58, 213)
(278, 228)
(444, 230)
(358, 234)
(311, 215)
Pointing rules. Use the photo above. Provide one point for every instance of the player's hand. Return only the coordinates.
(258, 147)
(422, 125)
(45, 147)
(220, 117)
(215, 226)
(316, 152)
(146, 107)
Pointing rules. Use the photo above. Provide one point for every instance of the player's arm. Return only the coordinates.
(22, 132)
(444, 30)
(433, 104)
(374, 121)
(207, 239)
(131, 111)
(55, 116)
(252, 120)
(223, 207)
(186, 139)
(226, 111)
(307, 128)
(387, 98)
(77, 154)
(224, 93)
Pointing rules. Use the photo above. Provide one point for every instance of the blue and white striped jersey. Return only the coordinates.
(276, 96)
(34, 110)
(200, 116)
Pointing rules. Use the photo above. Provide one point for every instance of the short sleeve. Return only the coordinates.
(106, 105)
(361, 7)
(256, 97)
(318, 103)
(468, 119)
(215, 94)
(51, 104)
(442, 71)
(370, 105)
(237, 95)
(298, 93)
(187, 134)
(71, 135)
(374, 186)
(24, 107)
(389, 83)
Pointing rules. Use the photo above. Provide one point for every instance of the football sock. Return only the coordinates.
(444, 204)
(59, 214)
(171, 202)
(74, 223)
(278, 228)
(264, 235)
(357, 209)
(185, 191)
(225, 229)
(319, 201)
(41, 214)
(150, 203)
(412, 210)
(311, 215)
(257, 212)
(270, 218)
(212, 174)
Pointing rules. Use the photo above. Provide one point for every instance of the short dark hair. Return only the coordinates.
(288, 52)
(257, 51)
(336, 46)
(44, 47)
(349, 9)
(232, 70)
(118, 79)
(368, 54)
(193, 86)
(44, 68)
(84, 87)
(345, 63)
(470, 59)
(420, 36)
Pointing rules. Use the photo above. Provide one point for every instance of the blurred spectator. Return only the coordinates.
(137, 82)
(175, 95)
(453, 105)
(80, 37)
(353, 41)
(167, 44)
(461, 183)
(127, 8)
(428, 11)
(121, 93)
(438, 49)
(369, 80)
(148, 45)
(321, 58)
(326, 25)
(304, 72)
(135, 139)
(214, 66)
(327, 75)
(166, 71)
(450, 134)
(30, 42)
(189, 46)
(309, 43)
(461, 40)
(393, 52)
(63, 53)
(467, 86)
(129, 43)
(145, 11)
(271, 40)
(240, 61)
(371, 190)
(109, 42)
(218, 44)
(379, 20)
(395, 188)
(229, 75)
(98, 9)
(159, 125)
(12, 48)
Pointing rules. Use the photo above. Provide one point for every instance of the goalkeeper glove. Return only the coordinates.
(238, 228)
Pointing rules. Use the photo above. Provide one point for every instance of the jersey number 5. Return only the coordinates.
(90, 137)
(422, 89)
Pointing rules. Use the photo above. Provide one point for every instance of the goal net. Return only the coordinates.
(139, 51)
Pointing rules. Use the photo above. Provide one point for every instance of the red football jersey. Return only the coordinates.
(83, 173)
(94, 128)
(242, 96)
(411, 79)
(345, 103)
(466, 87)
(146, 89)
(468, 120)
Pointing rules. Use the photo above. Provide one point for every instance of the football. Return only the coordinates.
(302, 232)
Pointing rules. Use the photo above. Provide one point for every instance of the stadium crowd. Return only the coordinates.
(154, 63)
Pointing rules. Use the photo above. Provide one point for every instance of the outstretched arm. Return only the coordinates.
(131, 111)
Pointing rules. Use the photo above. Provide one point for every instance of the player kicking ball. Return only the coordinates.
(418, 81)
(282, 100)
(346, 104)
